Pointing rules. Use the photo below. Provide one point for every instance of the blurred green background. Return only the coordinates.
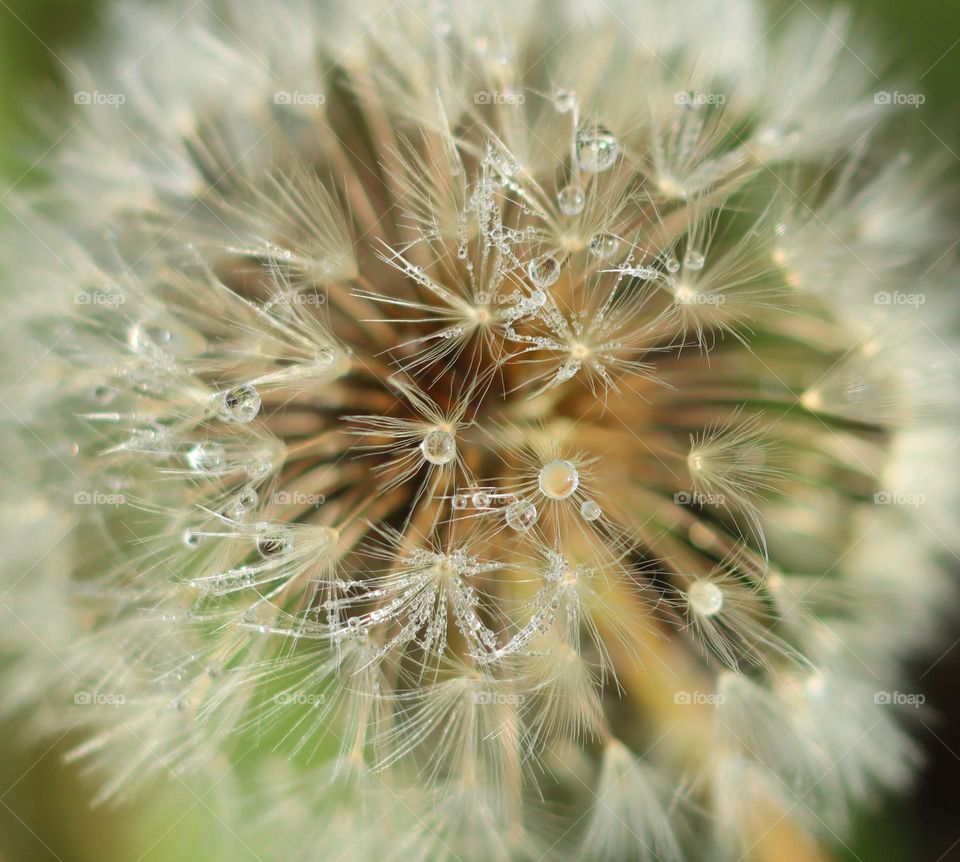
(44, 810)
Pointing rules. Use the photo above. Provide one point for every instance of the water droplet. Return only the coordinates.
(257, 467)
(241, 505)
(597, 149)
(207, 458)
(705, 598)
(143, 337)
(103, 394)
(693, 259)
(459, 501)
(240, 404)
(274, 541)
(604, 245)
(439, 447)
(521, 515)
(567, 370)
(544, 270)
(564, 101)
(481, 500)
(777, 136)
(192, 539)
(558, 479)
(590, 510)
(571, 199)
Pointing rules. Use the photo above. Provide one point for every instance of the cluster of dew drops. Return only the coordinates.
(595, 150)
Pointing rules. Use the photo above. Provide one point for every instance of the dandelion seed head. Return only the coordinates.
(437, 413)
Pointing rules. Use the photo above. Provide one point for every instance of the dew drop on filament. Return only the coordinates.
(597, 149)
(240, 507)
(481, 500)
(544, 270)
(521, 515)
(207, 458)
(103, 394)
(604, 245)
(564, 101)
(257, 467)
(274, 542)
(571, 200)
(438, 447)
(705, 598)
(558, 479)
(590, 510)
(240, 404)
(191, 538)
